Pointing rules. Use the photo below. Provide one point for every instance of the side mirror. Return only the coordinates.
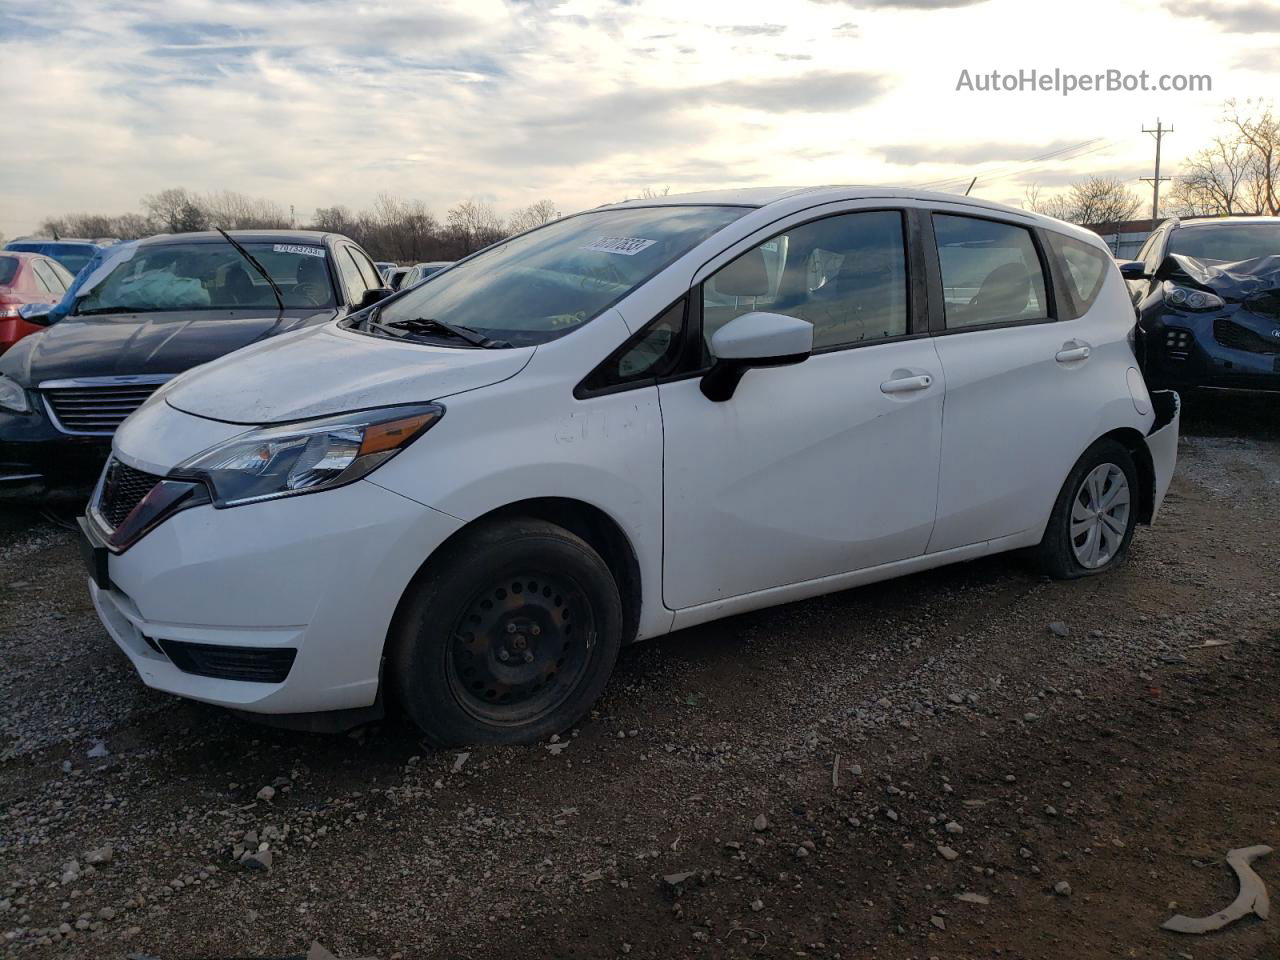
(372, 296)
(1133, 270)
(754, 340)
(37, 313)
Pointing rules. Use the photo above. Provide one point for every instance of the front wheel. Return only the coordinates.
(508, 636)
(1094, 516)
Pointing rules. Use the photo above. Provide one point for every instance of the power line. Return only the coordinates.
(1057, 156)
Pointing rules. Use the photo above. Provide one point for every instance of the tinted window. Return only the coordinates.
(653, 352)
(990, 272)
(367, 270)
(549, 281)
(352, 277)
(1084, 268)
(1227, 242)
(8, 270)
(48, 279)
(847, 275)
(205, 276)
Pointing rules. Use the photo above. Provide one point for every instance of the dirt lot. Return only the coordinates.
(1123, 759)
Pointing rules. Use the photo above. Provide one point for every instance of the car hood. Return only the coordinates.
(1233, 281)
(141, 343)
(326, 370)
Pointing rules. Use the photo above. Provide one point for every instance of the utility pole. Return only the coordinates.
(1158, 133)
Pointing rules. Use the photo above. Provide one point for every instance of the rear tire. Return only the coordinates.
(507, 637)
(1094, 516)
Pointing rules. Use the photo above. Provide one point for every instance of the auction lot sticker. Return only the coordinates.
(296, 248)
(624, 246)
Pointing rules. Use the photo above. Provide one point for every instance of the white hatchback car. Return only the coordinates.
(625, 422)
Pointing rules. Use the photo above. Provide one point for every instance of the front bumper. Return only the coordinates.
(1182, 351)
(38, 460)
(320, 574)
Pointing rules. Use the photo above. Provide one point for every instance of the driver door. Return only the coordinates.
(817, 469)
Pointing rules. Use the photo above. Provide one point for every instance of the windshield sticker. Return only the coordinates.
(624, 246)
(295, 248)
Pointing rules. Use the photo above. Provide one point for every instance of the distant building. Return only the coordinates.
(1126, 237)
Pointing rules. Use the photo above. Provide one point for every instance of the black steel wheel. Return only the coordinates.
(508, 636)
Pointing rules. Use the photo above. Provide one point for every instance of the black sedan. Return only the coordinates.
(144, 312)
(1207, 294)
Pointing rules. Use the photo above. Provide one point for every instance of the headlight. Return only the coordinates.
(13, 396)
(1190, 299)
(284, 461)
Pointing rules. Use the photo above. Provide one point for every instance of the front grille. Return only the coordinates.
(1233, 335)
(254, 664)
(96, 409)
(123, 488)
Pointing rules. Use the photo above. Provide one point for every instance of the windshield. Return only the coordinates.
(543, 284)
(1227, 243)
(207, 276)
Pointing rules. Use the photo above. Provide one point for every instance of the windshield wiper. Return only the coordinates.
(431, 325)
(253, 262)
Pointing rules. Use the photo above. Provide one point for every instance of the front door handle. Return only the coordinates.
(1072, 351)
(907, 384)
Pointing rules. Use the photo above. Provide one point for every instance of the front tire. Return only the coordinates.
(1094, 516)
(507, 637)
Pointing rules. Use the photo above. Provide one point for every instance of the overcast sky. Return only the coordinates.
(320, 102)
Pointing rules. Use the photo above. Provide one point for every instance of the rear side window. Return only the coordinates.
(1084, 269)
(991, 272)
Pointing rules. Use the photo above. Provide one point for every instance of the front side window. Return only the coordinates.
(846, 275)
(352, 277)
(150, 278)
(991, 272)
(1084, 269)
(543, 284)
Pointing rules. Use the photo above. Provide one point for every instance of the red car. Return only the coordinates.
(27, 278)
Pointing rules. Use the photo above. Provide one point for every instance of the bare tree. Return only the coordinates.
(168, 209)
(1093, 200)
(473, 224)
(1258, 129)
(1216, 181)
(236, 211)
(534, 215)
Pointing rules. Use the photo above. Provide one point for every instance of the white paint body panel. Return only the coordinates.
(811, 478)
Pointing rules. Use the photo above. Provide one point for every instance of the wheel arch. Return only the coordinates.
(580, 518)
(1133, 441)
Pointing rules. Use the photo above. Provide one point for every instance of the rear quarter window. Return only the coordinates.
(1084, 270)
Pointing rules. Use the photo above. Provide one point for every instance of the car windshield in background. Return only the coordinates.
(538, 286)
(8, 270)
(1227, 243)
(207, 276)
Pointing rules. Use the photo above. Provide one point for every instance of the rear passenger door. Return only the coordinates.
(1026, 369)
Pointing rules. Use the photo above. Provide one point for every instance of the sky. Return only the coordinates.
(321, 102)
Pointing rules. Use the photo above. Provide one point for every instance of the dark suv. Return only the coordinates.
(1207, 295)
(142, 313)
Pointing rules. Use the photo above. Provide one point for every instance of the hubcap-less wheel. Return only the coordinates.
(1100, 516)
(520, 648)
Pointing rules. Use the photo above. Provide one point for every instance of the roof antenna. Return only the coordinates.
(970, 187)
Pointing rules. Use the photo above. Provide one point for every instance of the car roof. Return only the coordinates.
(315, 237)
(1207, 221)
(23, 255)
(794, 199)
(48, 241)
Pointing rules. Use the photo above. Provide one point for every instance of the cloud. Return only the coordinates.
(1251, 16)
(754, 30)
(1262, 60)
(904, 4)
(912, 154)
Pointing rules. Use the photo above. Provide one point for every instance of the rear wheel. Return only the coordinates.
(1094, 516)
(508, 637)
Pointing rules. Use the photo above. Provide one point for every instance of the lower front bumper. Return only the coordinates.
(1199, 360)
(38, 461)
(320, 574)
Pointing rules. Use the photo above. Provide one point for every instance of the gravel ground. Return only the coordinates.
(970, 762)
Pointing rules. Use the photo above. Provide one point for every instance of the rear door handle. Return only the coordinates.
(907, 384)
(1072, 351)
